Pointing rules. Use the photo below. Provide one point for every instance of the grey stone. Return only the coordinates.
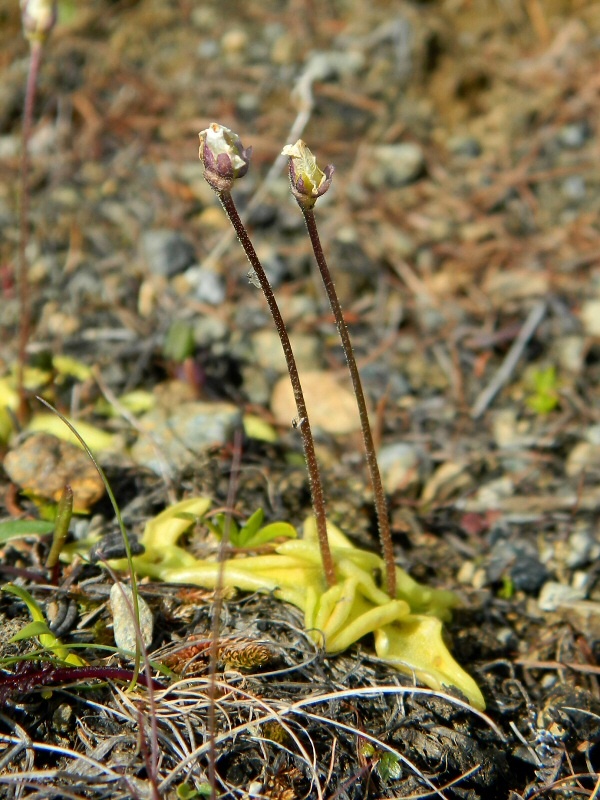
(582, 548)
(208, 330)
(396, 164)
(590, 316)
(583, 458)
(520, 560)
(269, 353)
(574, 134)
(166, 252)
(124, 628)
(592, 434)
(569, 351)
(207, 286)
(553, 595)
(573, 188)
(466, 146)
(400, 466)
(175, 440)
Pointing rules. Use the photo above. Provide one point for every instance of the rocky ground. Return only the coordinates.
(462, 228)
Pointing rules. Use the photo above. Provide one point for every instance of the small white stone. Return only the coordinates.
(590, 317)
(553, 595)
(584, 457)
(121, 603)
(400, 466)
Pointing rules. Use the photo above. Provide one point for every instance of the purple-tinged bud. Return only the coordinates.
(224, 157)
(307, 180)
(38, 18)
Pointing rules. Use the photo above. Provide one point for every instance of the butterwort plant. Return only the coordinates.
(335, 584)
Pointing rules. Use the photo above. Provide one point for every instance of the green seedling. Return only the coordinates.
(179, 343)
(545, 397)
(39, 628)
(253, 533)
(387, 765)
(64, 514)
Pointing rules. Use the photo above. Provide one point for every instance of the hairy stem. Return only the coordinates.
(383, 522)
(23, 271)
(314, 477)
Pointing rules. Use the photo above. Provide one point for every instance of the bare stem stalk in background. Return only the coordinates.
(314, 477)
(38, 17)
(23, 267)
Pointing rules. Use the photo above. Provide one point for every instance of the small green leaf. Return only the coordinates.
(389, 767)
(187, 792)
(276, 530)
(13, 529)
(251, 527)
(30, 630)
(47, 639)
(179, 343)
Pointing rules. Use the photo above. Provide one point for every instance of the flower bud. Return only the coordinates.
(224, 157)
(307, 180)
(38, 18)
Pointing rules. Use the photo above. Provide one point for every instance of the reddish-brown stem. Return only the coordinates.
(24, 301)
(30, 680)
(314, 477)
(383, 521)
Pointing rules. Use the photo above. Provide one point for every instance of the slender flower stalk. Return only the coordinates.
(38, 18)
(308, 183)
(224, 161)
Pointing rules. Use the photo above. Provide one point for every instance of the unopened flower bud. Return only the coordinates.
(224, 157)
(38, 18)
(307, 180)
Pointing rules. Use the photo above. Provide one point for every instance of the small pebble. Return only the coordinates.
(269, 353)
(573, 188)
(123, 623)
(62, 718)
(207, 286)
(395, 164)
(166, 252)
(43, 464)
(590, 317)
(569, 351)
(581, 548)
(518, 559)
(234, 41)
(466, 146)
(574, 135)
(175, 439)
(592, 434)
(583, 458)
(331, 406)
(399, 465)
(553, 595)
